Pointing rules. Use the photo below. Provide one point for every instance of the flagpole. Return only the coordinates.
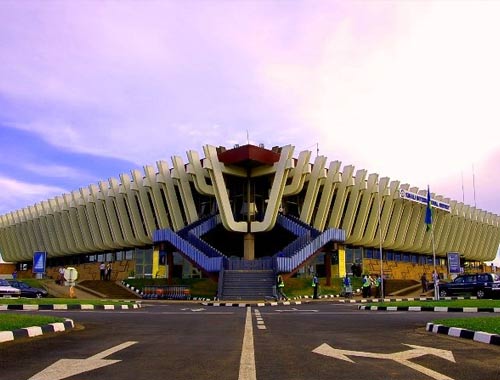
(434, 275)
(428, 222)
(380, 240)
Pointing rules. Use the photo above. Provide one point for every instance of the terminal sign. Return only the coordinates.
(39, 260)
(423, 199)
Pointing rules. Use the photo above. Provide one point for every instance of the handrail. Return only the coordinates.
(290, 263)
(264, 263)
(203, 245)
(296, 226)
(210, 264)
(295, 245)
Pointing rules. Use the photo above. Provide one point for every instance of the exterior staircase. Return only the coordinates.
(247, 285)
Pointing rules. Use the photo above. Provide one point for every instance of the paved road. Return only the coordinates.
(309, 341)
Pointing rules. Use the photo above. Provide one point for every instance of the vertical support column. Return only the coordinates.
(170, 266)
(328, 267)
(342, 271)
(156, 261)
(249, 246)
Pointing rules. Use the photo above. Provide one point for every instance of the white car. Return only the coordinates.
(8, 291)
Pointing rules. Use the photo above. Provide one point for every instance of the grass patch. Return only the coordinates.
(10, 321)
(442, 303)
(204, 287)
(64, 301)
(199, 287)
(486, 324)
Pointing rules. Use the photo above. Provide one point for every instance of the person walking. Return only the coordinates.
(60, 278)
(315, 285)
(423, 281)
(108, 271)
(102, 270)
(280, 285)
(366, 286)
(347, 287)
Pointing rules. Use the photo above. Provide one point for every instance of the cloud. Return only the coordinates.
(403, 89)
(56, 171)
(18, 192)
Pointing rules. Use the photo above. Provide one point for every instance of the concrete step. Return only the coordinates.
(107, 289)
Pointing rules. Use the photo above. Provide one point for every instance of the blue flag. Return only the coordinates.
(428, 211)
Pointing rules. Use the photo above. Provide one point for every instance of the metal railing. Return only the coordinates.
(237, 263)
(290, 263)
(170, 292)
(209, 264)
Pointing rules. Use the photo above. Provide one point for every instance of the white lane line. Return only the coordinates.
(247, 361)
(260, 321)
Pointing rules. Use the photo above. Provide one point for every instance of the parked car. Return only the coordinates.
(28, 291)
(6, 290)
(477, 284)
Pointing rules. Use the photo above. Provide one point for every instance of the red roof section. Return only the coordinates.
(249, 155)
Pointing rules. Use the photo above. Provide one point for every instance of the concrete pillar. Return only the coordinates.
(328, 267)
(342, 271)
(249, 246)
(170, 266)
(156, 261)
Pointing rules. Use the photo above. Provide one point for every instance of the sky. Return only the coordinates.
(93, 89)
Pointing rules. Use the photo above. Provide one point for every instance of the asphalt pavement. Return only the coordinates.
(321, 340)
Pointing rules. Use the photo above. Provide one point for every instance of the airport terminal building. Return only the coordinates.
(249, 208)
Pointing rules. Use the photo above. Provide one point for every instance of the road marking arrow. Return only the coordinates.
(399, 357)
(64, 368)
(188, 308)
(295, 309)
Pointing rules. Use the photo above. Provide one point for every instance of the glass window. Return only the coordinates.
(469, 278)
(129, 255)
(483, 278)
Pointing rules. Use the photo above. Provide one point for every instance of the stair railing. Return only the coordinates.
(210, 264)
(290, 263)
(296, 226)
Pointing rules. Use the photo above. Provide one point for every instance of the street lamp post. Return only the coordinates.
(379, 197)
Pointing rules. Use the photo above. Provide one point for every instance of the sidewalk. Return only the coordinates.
(61, 291)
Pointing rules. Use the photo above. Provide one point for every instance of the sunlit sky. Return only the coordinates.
(406, 89)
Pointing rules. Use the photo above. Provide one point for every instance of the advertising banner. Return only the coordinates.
(453, 262)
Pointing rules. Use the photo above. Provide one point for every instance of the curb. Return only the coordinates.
(69, 307)
(477, 336)
(135, 290)
(435, 308)
(250, 304)
(30, 332)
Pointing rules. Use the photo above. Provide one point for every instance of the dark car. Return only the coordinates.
(28, 291)
(477, 284)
